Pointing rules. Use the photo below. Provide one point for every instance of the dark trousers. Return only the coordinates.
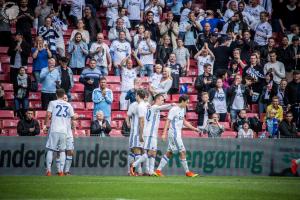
(88, 96)
(222, 117)
(46, 98)
(13, 74)
(77, 71)
(5, 39)
(192, 49)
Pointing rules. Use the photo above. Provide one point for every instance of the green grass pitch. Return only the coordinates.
(153, 188)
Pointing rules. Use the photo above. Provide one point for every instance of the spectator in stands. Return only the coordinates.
(170, 27)
(205, 55)
(237, 97)
(254, 10)
(204, 109)
(294, 50)
(2, 100)
(176, 72)
(245, 131)
(246, 15)
(139, 36)
(215, 23)
(182, 55)
(66, 76)
(112, 9)
(24, 21)
(5, 39)
(282, 95)
(284, 57)
(19, 52)
(272, 123)
(290, 14)
(100, 127)
(205, 35)
(175, 7)
(76, 11)
(130, 96)
(146, 50)
(192, 28)
(92, 24)
(236, 56)
(217, 96)
(165, 83)
(122, 15)
(28, 126)
(237, 25)
(49, 35)
(265, 50)
(103, 98)
(151, 26)
(295, 30)
(293, 89)
(119, 49)
(128, 75)
(269, 90)
(135, 9)
(263, 30)
(21, 92)
(222, 54)
(275, 67)
(60, 27)
(90, 78)
(41, 12)
(275, 107)
(232, 71)
(81, 29)
(206, 81)
(184, 12)
(78, 49)
(164, 51)
(40, 54)
(232, 8)
(156, 76)
(213, 128)
(254, 122)
(155, 7)
(50, 80)
(114, 32)
(287, 127)
(100, 52)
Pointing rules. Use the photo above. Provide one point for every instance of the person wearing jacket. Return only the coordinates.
(269, 90)
(100, 127)
(28, 126)
(204, 109)
(21, 92)
(217, 96)
(66, 76)
(206, 81)
(237, 97)
(19, 52)
(287, 127)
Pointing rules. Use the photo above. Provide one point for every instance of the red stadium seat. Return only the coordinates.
(90, 105)
(192, 107)
(85, 124)
(4, 77)
(175, 97)
(12, 132)
(254, 108)
(77, 96)
(6, 114)
(3, 50)
(229, 134)
(145, 79)
(193, 72)
(114, 87)
(9, 123)
(40, 114)
(76, 78)
(188, 80)
(35, 104)
(115, 106)
(114, 124)
(113, 79)
(192, 90)
(35, 96)
(118, 115)
(226, 125)
(193, 98)
(191, 116)
(7, 86)
(78, 105)
(85, 114)
(252, 114)
(80, 133)
(9, 96)
(78, 87)
(115, 133)
(190, 134)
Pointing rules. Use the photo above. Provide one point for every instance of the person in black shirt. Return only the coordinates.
(283, 56)
(287, 127)
(100, 127)
(28, 126)
(176, 72)
(222, 53)
(66, 76)
(206, 81)
(164, 50)
(151, 26)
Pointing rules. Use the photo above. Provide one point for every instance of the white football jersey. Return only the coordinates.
(61, 112)
(134, 122)
(153, 119)
(176, 117)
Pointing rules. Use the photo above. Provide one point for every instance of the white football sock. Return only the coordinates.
(139, 167)
(140, 160)
(68, 163)
(57, 163)
(49, 158)
(130, 159)
(151, 165)
(164, 160)
(184, 165)
(62, 157)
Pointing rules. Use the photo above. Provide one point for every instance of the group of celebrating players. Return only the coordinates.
(143, 120)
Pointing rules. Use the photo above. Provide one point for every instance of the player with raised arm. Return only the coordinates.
(150, 133)
(135, 115)
(174, 126)
(59, 112)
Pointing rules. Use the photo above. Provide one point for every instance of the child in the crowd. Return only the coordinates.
(272, 124)
(213, 127)
(245, 131)
(156, 76)
(204, 109)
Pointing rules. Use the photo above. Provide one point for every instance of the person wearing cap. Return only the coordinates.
(19, 52)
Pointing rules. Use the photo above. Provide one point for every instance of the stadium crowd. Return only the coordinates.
(247, 55)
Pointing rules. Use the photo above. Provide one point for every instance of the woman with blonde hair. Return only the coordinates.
(164, 50)
(165, 83)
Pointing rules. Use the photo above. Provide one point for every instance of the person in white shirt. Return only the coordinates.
(100, 52)
(113, 33)
(156, 76)
(112, 9)
(254, 10)
(139, 36)
(205, 55)
(173, 126)
(249, 19)
(276, 67)
(80, 28)
(150, 134)
(76, 10)
(135, 9)
(136, 120)
(217, 96)
(184, 17)
(156, 8)
(164, 85)
(245, 131)
(119, 49)
(128, 75)
(147, 49)
(122, 15)
(232, 7)
(60, 113)
(263, 30)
